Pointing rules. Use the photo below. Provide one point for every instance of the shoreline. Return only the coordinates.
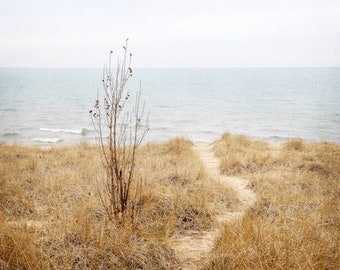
(275, 144)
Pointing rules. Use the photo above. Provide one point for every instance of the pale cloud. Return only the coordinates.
(171, 33)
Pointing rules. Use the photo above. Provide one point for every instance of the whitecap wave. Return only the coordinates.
(73, 131)
(47, 140)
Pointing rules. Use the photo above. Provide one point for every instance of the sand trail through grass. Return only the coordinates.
(192, 247)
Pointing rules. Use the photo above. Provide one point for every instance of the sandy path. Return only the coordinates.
(193, 247)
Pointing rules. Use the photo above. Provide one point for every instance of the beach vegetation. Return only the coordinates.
(120, 130)
(51, 216)
(294, 223)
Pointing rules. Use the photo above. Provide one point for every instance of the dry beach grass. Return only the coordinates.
(294, 223)
(51, 216)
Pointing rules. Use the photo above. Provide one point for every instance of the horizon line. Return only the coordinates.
(179, 67)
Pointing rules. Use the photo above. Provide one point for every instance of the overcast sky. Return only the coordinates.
(172, 33)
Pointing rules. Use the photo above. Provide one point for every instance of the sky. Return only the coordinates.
(171, 33)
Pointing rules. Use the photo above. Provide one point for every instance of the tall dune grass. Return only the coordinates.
(295, 222)
(51, 216)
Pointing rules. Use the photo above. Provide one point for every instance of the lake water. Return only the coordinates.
(50, 105)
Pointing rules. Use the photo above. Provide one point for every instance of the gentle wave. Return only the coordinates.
(11, 134)
(83, 131)
(47, 140)
(202, 104)
(8, 110)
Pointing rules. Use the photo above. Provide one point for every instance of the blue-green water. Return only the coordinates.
(50, 105)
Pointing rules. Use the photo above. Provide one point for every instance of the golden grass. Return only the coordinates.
(178, 193)
(51, 216)
(295, 222)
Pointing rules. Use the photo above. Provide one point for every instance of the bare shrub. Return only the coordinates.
(120, 131)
